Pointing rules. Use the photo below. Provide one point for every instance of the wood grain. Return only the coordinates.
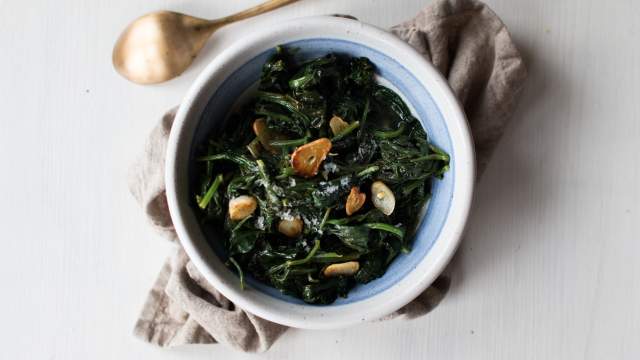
(549, 269)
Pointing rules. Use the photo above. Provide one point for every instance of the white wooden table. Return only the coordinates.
(551, 266)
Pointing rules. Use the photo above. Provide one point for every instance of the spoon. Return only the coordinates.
(161, 45)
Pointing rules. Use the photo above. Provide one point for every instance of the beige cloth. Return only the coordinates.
(466, 41)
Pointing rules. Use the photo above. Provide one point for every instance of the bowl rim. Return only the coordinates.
(313, 316)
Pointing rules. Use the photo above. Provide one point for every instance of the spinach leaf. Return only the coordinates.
(326, 292)
(381, 141)
(372, 266)
(355, 237)
(275, 72)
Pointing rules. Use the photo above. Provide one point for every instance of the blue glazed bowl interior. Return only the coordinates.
(390, 73)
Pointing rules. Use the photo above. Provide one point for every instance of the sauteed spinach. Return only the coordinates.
(316, 184)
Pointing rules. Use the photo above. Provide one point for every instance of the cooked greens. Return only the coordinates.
(317, 183)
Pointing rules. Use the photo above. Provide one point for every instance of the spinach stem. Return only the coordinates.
(348, 130)
(386, 227)
(442, 157)
(338, 221)
(290, 263)
(244, 163)
(273, 197)
(365, 111)
(254, 147)
(324, 218)
(332, 257)
(240, 223)
(210, 192)
(286, 172)
(369, 170)
(307, 258)
(239, 270)
(442, 171)
(436, 149)
(412, 185)
(389, 134)
(294, 142)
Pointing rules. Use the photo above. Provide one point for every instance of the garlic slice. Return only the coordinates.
(346, 268)
(355, 200)
(382, 197)
(242, 207)
(265, 135)
(337, 125)
(290, 228)
(307, 158)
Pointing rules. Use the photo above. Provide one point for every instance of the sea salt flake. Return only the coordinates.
(331, 189)
(286, 215)
(259, 223)
(330, 167)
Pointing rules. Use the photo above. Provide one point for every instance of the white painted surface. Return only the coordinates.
(550, 268)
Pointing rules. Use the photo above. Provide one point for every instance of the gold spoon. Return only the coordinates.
(161, 45)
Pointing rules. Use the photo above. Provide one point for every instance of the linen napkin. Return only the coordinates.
(467, 43)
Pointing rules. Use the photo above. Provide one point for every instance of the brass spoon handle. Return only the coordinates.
(256, 10)
(161, 45)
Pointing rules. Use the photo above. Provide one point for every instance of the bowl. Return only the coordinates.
(232, 76)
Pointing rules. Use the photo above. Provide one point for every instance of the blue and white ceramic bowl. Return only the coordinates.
(232, 75)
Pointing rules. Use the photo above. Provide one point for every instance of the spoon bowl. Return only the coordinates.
(160, 46)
